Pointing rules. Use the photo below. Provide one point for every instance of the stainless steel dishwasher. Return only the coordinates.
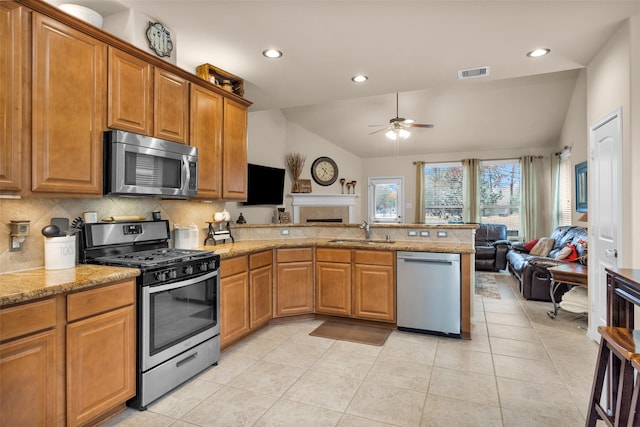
(428, 292)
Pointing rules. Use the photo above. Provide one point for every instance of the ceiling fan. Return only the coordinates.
(397, 127)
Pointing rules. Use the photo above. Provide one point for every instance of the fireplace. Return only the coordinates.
(323, 207)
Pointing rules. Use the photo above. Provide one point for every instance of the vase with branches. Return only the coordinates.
(295, 161)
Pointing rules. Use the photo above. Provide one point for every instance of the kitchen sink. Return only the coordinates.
(362, 241)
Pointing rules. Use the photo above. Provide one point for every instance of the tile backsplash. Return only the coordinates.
(40, 211)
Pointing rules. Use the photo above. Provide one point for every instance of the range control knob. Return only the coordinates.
(160, 275)
(202, 266)
(187, 269)
(173, 274)
(211, 265)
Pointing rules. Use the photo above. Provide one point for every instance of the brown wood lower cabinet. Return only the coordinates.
(68, 359)
(234, 300)
(294, 281)
(260, 288)
(28, 381)
(374, 295)
(101, 351)
(333, 281)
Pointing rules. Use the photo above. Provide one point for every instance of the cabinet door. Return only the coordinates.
(206, 134)
(294, 288)
(170, 106)
(11, 90)
(69, 109)
(261, 295)
(28, 381)
(374, 294)
(333, 288)
(234, 308)
(101, 364)
(130, 106)
(234, 175)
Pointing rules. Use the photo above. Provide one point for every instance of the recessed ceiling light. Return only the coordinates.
(360, 78)
(536, 53)
(272, 53)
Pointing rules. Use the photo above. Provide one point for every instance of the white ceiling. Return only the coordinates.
(412, 47)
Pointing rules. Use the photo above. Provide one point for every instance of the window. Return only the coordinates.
(385, 200)
(443, 192)
(500, 193)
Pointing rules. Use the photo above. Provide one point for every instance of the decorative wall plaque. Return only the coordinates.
(159, 39)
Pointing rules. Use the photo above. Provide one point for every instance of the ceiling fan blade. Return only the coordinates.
(419, 125)
(379, 130)
(371, 126)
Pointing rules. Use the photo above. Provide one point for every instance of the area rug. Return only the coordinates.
(354, 333)
(487, 286)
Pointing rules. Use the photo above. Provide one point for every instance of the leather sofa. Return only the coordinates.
(491, 247)
(532, 272)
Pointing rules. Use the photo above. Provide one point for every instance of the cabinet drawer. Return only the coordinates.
(373, 257)
(297, 254)
(94, 301)
(27, 318)
(260, 259)
(231, 266)
(333, 255)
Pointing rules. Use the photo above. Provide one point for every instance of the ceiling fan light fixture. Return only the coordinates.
(537, 53)
(359, 78)
(404, 134)
(272, 53)
(391, 134)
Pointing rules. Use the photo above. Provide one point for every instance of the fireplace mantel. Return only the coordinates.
(310, 199)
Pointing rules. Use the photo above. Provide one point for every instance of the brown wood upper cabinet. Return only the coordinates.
(130, 93)
(234, 152)
(68, 111)
(206, 135)
(11, 105)
(146, 99)
(170, 106)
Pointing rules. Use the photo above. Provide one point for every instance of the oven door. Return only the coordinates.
(178, 316)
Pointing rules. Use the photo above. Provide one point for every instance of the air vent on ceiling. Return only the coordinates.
(473, 73)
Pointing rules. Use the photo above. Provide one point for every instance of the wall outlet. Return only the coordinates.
(284, 232)
(412, 233)
(442, 234)
(424, 234)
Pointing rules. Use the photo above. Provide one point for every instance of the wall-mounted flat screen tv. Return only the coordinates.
(265, 185)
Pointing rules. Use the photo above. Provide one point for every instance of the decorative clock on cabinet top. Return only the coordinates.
(324, 171)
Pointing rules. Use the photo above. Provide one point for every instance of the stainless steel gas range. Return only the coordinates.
(178, 314)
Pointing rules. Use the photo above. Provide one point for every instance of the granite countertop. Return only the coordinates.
(245, 247)
(443, 225)
(22, 286)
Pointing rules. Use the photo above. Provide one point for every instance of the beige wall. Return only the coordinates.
(610, 79)
(574, 134)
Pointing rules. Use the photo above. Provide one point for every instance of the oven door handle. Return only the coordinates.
(183, 283)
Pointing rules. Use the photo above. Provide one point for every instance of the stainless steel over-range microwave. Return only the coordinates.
(139, 165)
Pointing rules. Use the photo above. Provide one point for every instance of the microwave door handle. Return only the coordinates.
(186, 173)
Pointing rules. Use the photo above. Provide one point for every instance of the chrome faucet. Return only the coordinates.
(367, 230)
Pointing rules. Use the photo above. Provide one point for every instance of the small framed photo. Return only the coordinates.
(285, 218)
(304, 185)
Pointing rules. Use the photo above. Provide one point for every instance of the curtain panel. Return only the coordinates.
(528, 198)
(419, 192)
(470, 193)
(556, 213)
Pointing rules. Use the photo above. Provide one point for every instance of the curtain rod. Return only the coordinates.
(415, 162)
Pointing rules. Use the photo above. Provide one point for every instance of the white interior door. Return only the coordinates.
(605, 211)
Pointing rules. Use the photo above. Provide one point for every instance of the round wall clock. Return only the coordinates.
(324, 171)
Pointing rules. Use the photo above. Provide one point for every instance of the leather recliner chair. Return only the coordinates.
(491, 246)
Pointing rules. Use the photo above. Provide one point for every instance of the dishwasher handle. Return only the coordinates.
(427, 261)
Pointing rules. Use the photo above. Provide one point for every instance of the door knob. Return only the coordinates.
(611, 253)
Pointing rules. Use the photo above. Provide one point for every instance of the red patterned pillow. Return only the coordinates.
(529, 245)
(573, 256)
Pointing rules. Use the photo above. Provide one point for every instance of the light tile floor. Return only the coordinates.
(520, 369)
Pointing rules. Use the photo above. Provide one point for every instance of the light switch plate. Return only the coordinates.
(284, 232)
(424, 234)
(442, 234)
(412, 233)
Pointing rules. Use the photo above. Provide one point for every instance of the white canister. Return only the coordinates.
(181, 237)
(194, 236)
(59, 252)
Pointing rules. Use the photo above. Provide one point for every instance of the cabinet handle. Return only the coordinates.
(611, 253)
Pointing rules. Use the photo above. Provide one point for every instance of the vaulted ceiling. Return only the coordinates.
(412, 47)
